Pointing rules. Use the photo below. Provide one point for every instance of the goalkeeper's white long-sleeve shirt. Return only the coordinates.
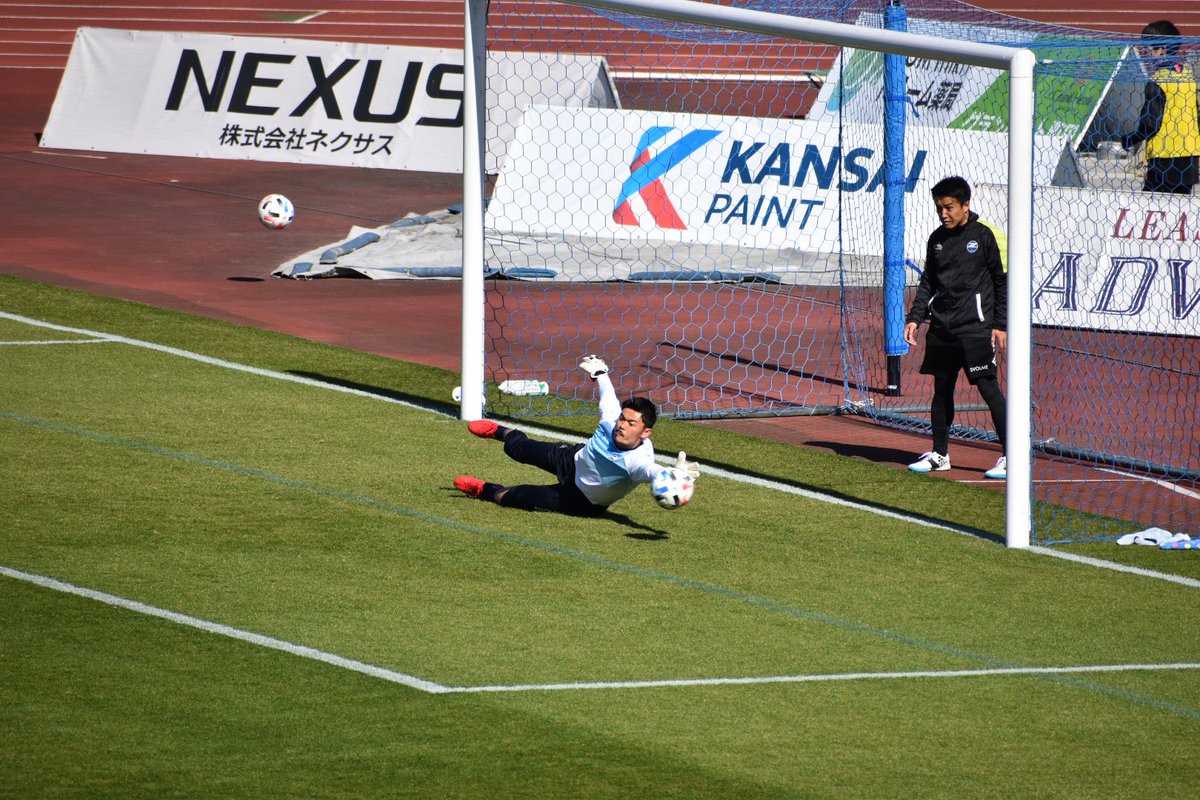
(604, 472)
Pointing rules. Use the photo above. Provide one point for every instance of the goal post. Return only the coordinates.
(474, 81)
(1017, 63)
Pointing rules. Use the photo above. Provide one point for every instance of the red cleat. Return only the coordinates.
(468, 485)
(483, 428)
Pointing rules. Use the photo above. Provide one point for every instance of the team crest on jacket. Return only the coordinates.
(972, 246)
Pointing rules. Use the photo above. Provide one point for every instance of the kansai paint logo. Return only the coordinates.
(761, 182)
(646, 172)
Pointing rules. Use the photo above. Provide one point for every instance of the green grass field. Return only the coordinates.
(352, 627)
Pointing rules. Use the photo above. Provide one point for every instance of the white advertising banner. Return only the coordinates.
(1117, 261)
(717, 180)
(295, 101)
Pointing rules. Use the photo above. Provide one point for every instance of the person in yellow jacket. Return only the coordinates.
(1169, 122)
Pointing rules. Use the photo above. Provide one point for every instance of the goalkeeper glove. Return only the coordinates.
(690, 467)
(594, 366)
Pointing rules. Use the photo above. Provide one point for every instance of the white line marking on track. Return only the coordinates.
(728, 77)
(66, 155)
(1147, 479)
(1047, 481)
(734, 476)
(311, 16)
(172, 15)
(225, 630)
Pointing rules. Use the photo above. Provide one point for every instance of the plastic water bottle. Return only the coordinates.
(523, 388)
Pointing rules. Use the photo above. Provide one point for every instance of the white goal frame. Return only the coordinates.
(1017, 62)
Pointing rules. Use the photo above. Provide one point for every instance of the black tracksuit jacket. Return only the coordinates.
(964, 289)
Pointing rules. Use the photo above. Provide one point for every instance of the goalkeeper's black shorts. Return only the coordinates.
(945, 355)
(557, 459)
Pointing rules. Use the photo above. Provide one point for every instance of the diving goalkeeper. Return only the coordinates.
(591, 476)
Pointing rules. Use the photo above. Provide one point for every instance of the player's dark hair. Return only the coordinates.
(644, 407)
(954, 186)
(1162, 29)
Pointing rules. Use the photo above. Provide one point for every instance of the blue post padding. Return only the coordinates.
(446, 272)
(529, 273)
(331, 255)
(895, 98)
(434, 272)
(298, 269)
(409, 222)
(705, 276)
(457, 208)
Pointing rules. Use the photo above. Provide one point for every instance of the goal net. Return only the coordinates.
(737, 219)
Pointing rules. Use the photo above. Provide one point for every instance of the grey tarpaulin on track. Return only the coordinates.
(429, 246)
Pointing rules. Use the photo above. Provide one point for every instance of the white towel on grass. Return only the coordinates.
(1153, 537)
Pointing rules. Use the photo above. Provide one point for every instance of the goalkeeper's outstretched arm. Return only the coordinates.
(597, 369)
(610, 406)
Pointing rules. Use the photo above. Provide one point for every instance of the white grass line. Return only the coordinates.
(225, 630)
(733, 476)
(311, 17)
(55, 341)
(837, 676)
(216, 362)
(1156, 481)
(1102, 564)
(431, 687)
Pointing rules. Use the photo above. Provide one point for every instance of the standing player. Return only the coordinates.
(964, 294)
(591, 476)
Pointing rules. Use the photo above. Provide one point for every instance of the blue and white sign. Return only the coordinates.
(717, 180)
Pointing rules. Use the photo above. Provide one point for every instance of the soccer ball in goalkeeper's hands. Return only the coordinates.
(672, 487)
(276, 211)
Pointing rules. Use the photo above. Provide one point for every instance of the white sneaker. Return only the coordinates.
(931, 462)
(1000, 471)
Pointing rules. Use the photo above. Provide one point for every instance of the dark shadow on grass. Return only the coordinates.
(442, 407)
(987, 536)
(643, 532)
(649, 537)
(389, 394)
(872, 453)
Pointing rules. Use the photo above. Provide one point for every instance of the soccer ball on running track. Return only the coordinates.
(276, 211)
(672, 488)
